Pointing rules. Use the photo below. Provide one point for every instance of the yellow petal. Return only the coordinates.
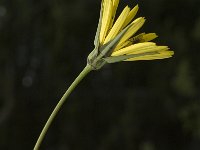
(149, 49)
(118, 25)
(136, 25)
(115, 5)
(161, 55)
(106, 19)
(131, 15)
(143, 38)
(148, 37)
(134, 48)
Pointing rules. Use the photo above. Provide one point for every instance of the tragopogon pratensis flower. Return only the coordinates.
(115, 41)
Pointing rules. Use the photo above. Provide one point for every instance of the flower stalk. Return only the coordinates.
(85, 71)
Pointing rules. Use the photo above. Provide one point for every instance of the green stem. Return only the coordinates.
(85, 71)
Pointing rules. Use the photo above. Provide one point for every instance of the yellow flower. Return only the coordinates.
(115, 41)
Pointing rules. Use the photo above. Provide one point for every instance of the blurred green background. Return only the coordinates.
(144, 105)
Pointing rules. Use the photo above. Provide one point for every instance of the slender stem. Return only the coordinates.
(85, 71)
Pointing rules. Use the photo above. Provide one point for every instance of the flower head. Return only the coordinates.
(116, 41)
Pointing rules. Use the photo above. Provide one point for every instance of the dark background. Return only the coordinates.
(144, 105)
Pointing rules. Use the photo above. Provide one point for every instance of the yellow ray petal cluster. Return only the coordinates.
(117, 40)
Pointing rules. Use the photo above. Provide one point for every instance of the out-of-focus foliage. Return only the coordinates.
(147, 105)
